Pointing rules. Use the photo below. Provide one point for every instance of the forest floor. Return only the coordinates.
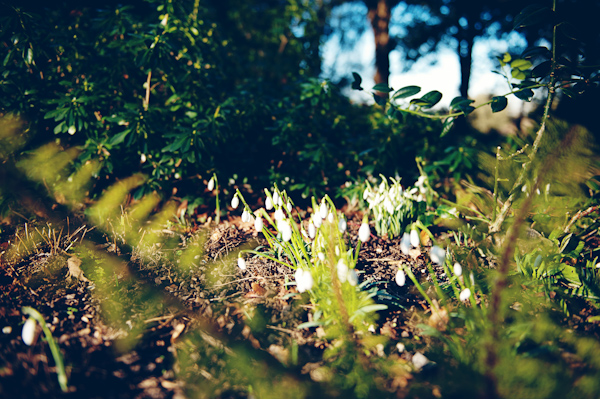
(121, 319)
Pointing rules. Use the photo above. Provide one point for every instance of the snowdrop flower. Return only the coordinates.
(457, 269)
(142, 158)
(245, 216)
(465, 295)
(269, 203)
(437, 255)
(317, 220)
(321, 256)
(330, 217)
(28, 333)
(400, 277)
(235, 201)
(342, 270)
(419, 360)
(258, 224)
(364, 232)
(289, 206)
(337, 251)
(285, 230)
(352, 278)
(405, 244)
(311, 230)
(211, 184)
(304, 280)
(342, 225)
(72, 130)
(388, 205)
(547, 188)
(276, 198)
(323, 210)
(279, 214)
(366, 194)
(414, 238)
(421, 184)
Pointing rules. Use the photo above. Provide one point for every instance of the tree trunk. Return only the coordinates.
(380, 13)
(465, 52)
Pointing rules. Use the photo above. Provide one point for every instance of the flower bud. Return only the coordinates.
(323, 210)
(437, 255)
(400, 277)
(28, 333)
(275, 198)
(235, 201)
(269, 203)
(211, 184)
(245, 216)
(465, 295)
(312, 230)
(258, 224)
(457, 269)
(405, 244)
(414, 238)
(330, 217)
(285, 230)
(364, 232)
(352, 278)
(279, 214)
(342, 225)
(342, 270)
(317, 220)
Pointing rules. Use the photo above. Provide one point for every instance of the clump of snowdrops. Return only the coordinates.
(394, 208)
(316, 249)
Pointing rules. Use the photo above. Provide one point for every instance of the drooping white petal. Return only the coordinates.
(342, 270)
(400, 277)
(323, 210)
(364, 232)
(258, 224)
(330, 217)
(235, 201)
(405, 244)
(289, 206)
(211, 184)
(352, 278)
(312, 230)
(269, 203)
(284, 228)
(414, 238)
(28, 333)
(465, 295)
(279, 214)
(276, 198)
(437, 255)
(342, 225)
(457, 269)
(317, 220)
(245, 216)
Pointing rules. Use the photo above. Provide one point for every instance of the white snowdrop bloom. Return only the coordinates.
(304, 280)
(284, 228)
(437, 255)
(353, 278)
(142, 158)
(342, 270)
(421, 184)
(524, 188)
(28, 333)
(465, 295)
(366, 194)
(276, 198)
(317, 220)
(405, 244)
(235, 201)
(330, 217)
(312, 230)
(547, 188)
(242, 263)
(245, 216)
(321, 256)
(279, 214)
(420, 198)
(419, 360)
(211, 184)
(258, 224)
(337, 251)
(72, 130)
(400, 277)
(364, 232)
(342, 225)
(457, 269)
(323, 210)
(537, 191)
(414, 238)
(289, 206)
(388, 205)
(269, 203)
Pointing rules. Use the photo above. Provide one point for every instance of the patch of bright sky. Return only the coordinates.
(437, 71)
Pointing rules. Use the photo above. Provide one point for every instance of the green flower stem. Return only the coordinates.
(56, 355)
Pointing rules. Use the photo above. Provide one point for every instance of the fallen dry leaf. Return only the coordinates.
(74, 270)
